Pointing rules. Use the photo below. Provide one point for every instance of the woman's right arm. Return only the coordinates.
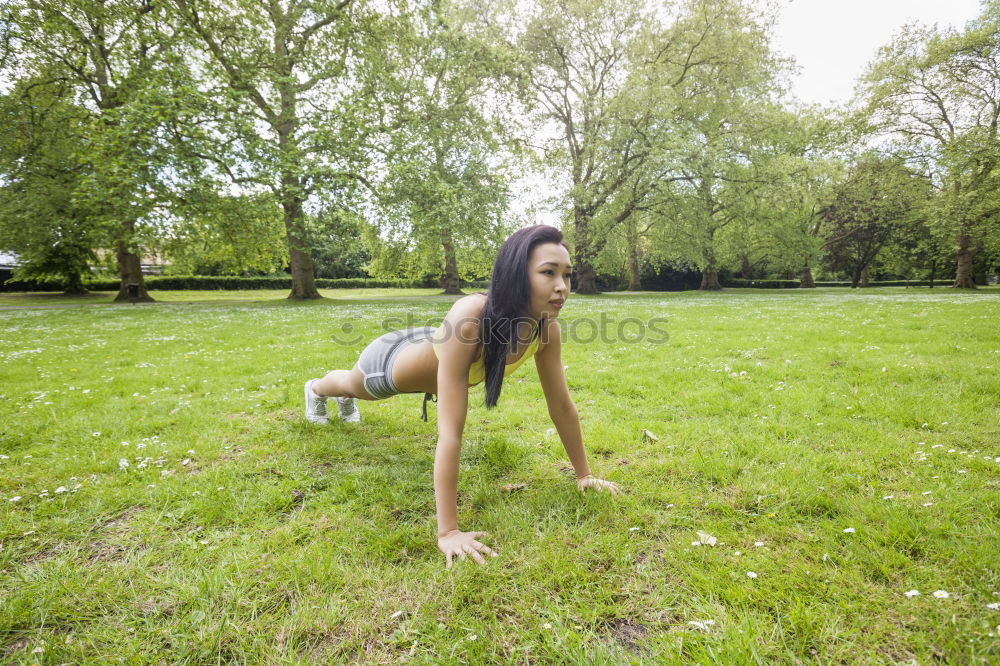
(456, 354)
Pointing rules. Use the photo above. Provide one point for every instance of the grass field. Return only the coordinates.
(163, 500)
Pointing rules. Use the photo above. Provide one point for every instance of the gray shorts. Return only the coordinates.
(377, 358)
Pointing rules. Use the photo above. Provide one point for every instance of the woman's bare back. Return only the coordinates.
(415, 368)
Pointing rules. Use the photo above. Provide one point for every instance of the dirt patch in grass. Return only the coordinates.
(232, 454)
(40, 556)
(153, 606)
(625, 631)
(119, 521)
(103, 552)
(15, 646)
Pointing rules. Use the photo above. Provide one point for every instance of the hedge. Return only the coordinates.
(794, 284)
(209, 282)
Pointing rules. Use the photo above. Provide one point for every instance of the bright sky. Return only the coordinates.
(833, 40)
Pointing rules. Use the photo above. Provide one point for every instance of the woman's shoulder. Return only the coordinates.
(463, 317)
(469, 304)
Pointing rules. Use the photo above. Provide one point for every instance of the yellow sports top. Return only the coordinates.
(477, 371)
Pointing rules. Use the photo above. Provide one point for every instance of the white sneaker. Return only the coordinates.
(315, 405)
(347, 410)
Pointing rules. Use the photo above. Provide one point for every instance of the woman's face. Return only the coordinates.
(548, 272)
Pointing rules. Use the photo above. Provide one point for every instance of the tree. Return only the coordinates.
(444, 185)
(117, 56)
(937, 92)
(918, 249)
(40, 176)
(880, 198)
(582, 51)
(783, 213)
(284, 75)
(728, 129)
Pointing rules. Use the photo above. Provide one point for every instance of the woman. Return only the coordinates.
(484, 337)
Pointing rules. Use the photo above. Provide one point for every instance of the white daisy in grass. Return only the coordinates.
(912, 593)
(848, 530)
(751, 574)
(993, 606)
(15, 498)
(941, 594)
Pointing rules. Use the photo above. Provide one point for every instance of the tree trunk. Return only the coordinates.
(130, 269)
(303, 279)
(806, 279)
(292, 195)
(585, 275)
(855, 278)
(449, 281)
(746, 268)
(963, 276)
(634, 283)
(632, 238)
(864, 276)
(710, 274)
(710, 279)
(301, 263)
(74, 285)
(586, 278)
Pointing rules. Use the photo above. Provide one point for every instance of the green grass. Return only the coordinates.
(241, 533)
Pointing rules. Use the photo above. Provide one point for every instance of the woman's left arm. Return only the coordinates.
(562, 411)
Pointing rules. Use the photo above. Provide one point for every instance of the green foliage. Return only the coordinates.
(443, 195)
(877, 203)
(336, 243)
(728, 131)
(934, 92)
(217, 234)
(382, 139)
(219, 282)
(41, 218)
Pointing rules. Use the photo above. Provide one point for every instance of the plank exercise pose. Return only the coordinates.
(484, 337)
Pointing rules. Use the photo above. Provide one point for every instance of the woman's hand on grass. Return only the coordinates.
(591, 481)
(457, 542)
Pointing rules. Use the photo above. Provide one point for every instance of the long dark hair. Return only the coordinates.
(507, 303)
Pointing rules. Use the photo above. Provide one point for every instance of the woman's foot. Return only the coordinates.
(315, 405)
(347, 410)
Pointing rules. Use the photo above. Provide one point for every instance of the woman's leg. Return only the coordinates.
(343, 384)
